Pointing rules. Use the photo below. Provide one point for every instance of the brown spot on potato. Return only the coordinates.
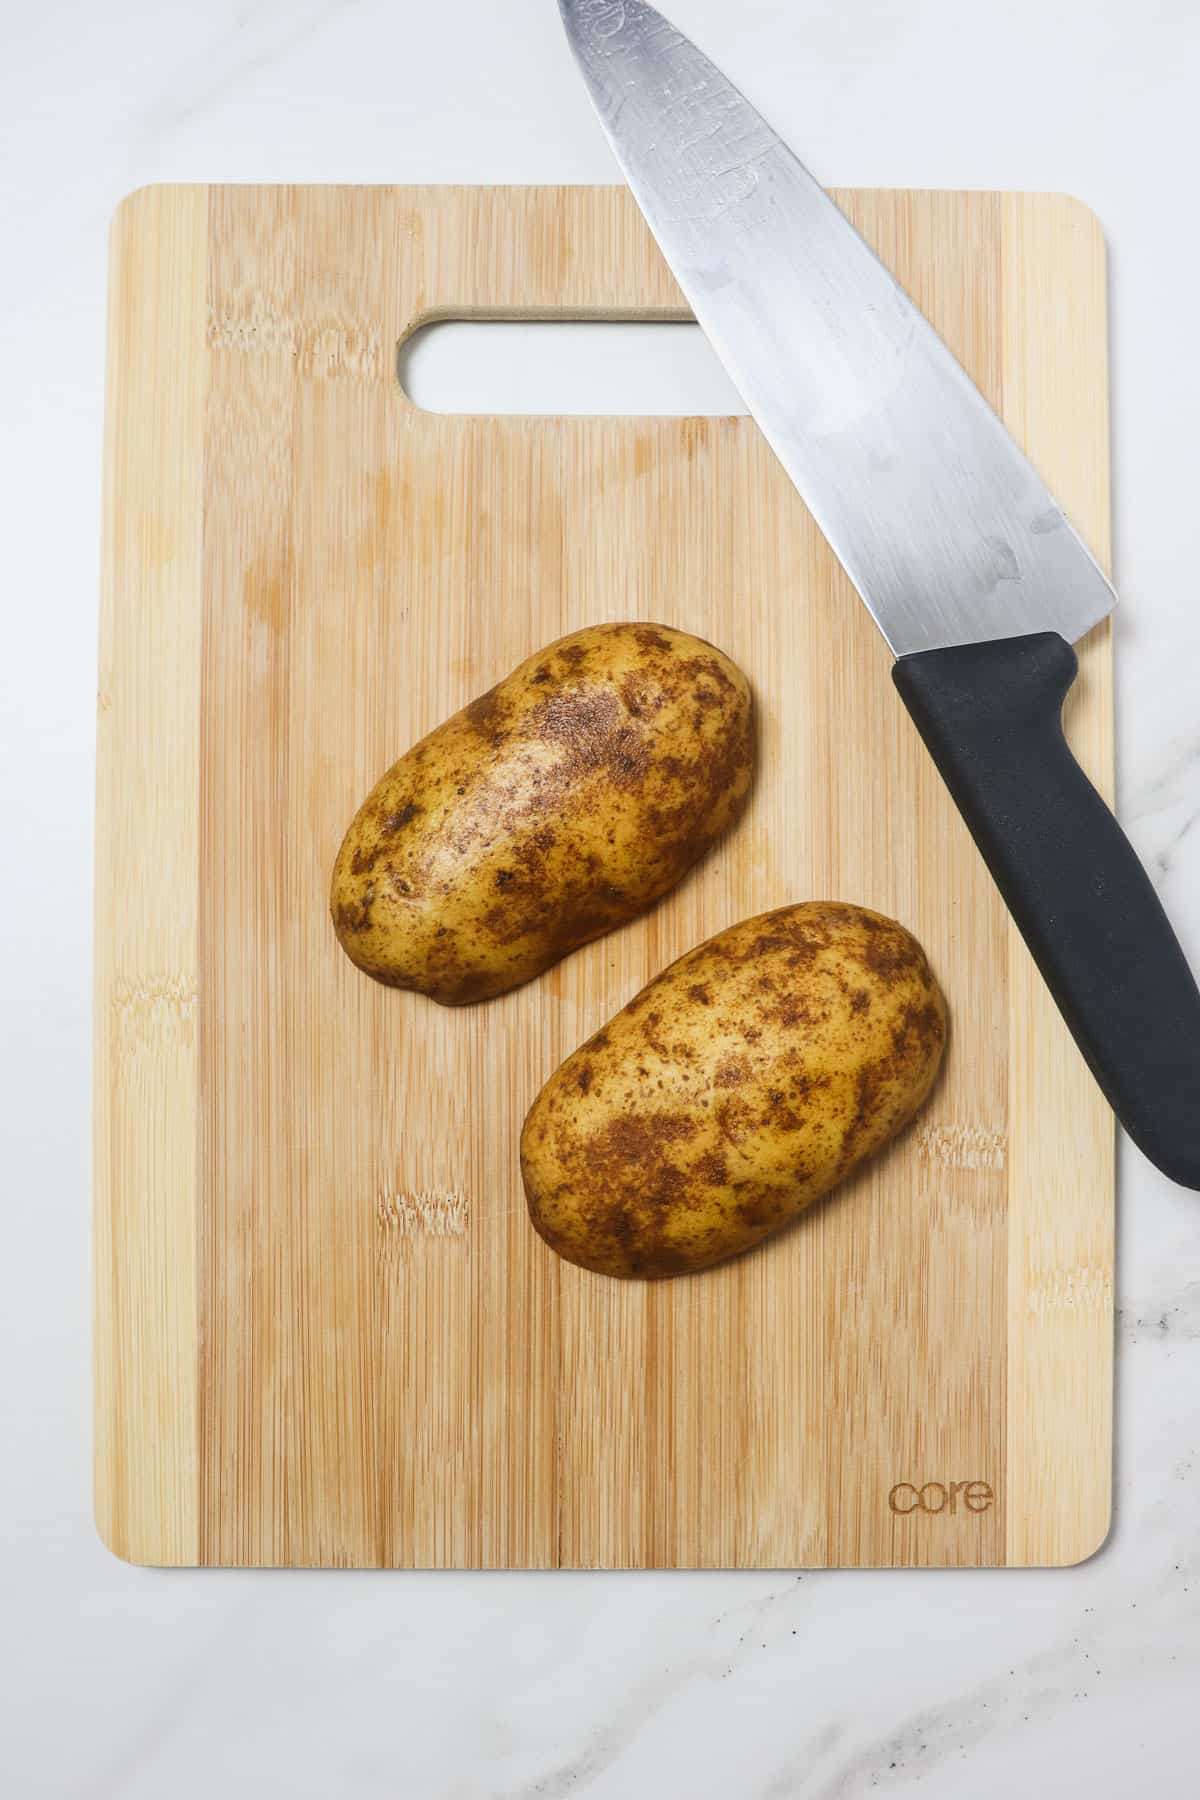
(888, 955)
(732, 1072)
(704, 667)
(804, 1086)
(663, 1186)
(649, 637)
(652, 1036)
(792, 1011)
(713, 1168)
(633, 1140)
(733, 1120)
(393, 822)
(355, 917)
(484, 712)
(868, 1083)
(591, 730)
(923, 1023)
(644, 698)
(764, 944)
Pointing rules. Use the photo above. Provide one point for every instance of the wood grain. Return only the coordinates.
(147, 862)
(326, 1334)
(1060, 1275)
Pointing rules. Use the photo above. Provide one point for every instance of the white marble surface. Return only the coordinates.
(132, 1685)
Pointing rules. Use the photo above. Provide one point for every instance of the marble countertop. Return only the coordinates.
(128, 1684)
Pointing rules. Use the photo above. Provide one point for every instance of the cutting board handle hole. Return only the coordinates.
(586, 367)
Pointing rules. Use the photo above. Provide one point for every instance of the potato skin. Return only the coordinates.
(558, 805)
(738, 1086)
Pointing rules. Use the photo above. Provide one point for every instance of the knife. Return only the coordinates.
(966, 562)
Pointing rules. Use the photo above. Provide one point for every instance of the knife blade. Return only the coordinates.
(968, 565)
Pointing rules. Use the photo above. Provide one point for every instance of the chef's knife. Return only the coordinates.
(972, 573)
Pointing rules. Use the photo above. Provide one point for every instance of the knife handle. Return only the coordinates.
(991, 717)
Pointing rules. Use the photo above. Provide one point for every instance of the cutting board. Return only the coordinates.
(325, 1331)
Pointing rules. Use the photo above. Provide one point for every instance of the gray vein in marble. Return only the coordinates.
(923, 1741)
(1065, 1674)
(611, 1739)
(295, 29)
(1170, 800)
(1183, 764)
(1176, 1319)
(1165, 857)
(174, 1702)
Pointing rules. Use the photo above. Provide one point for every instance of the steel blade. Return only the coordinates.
(943, 525)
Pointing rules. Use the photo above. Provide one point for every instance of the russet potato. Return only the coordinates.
(743, 1082)
(558, 805)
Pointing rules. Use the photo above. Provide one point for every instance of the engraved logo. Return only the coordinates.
(940, 1497)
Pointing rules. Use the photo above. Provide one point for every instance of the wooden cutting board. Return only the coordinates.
(325, 1332)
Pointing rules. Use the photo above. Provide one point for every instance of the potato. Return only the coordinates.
(560, 804)
(741, 1083)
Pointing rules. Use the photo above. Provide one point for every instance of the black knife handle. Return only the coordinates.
(991, 716)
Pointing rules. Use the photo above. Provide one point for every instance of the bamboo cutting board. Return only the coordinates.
(325, 1332)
